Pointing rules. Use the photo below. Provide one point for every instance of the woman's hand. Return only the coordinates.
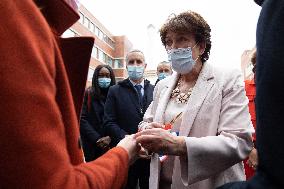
(151, 126)
(144, 153)
(161, 141)
(103, 142)
(253, 160)
(130, 144)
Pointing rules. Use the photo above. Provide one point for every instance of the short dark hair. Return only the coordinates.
(95, 89)
(192, 23)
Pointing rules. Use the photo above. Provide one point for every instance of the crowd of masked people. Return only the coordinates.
(193, 129)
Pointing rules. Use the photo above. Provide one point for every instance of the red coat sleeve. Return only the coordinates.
(35, 148)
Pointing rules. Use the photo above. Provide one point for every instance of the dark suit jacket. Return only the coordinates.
(42, 85)
(269, 99)
(91, 126)
(122, 110)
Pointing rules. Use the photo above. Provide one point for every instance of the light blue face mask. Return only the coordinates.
(181, 59)
(163, 75)
(135, 72)
(104, 82)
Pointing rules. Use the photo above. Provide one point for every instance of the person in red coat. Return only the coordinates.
(42, 84)
(251, 162)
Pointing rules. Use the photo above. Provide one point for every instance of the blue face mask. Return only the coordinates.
(135, 72)
(163, 75)
(181, 60)
(104, 82)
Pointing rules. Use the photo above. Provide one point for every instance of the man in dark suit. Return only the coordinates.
(269, 99)
(124, 109)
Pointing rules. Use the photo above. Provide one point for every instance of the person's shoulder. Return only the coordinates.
(227, 77)
(112, 89)
(148, 83)
(121, 85)
(124, 83)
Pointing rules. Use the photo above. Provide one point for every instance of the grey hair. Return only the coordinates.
(132, 51)
(164, 63)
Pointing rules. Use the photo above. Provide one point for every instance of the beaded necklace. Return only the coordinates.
(181, 97)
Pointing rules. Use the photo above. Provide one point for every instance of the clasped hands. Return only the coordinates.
(155, 139)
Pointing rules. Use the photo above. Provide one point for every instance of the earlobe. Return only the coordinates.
(203, 47)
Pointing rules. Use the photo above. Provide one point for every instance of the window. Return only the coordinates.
(81, 18)
(109, 61)
(105, 38)
(111, 43)
(95, 52)
(101, 55)
(118, 63)
(86, 22)
(101, 34)
(104, 58)
(96, 31)
(92, 27)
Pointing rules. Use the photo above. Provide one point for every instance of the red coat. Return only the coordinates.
(42, 85)
(250, 92)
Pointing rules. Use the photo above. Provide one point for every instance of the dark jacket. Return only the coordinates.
(122, 109)
(91, 125)
(269, 99)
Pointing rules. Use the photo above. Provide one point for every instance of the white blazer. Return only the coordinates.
(217, 129)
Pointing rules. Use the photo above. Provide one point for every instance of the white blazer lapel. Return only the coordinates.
(204, 83)
(164, 98)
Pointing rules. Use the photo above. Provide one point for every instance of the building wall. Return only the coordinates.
(108, 49)
(151, 75)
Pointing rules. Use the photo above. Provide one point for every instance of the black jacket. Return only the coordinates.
(91, 126)
(122, 110)
(269, 99)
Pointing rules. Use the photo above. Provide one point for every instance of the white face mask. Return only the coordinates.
(74, 4)
(182, 60)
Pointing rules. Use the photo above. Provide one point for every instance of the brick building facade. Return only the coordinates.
(108, 49)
